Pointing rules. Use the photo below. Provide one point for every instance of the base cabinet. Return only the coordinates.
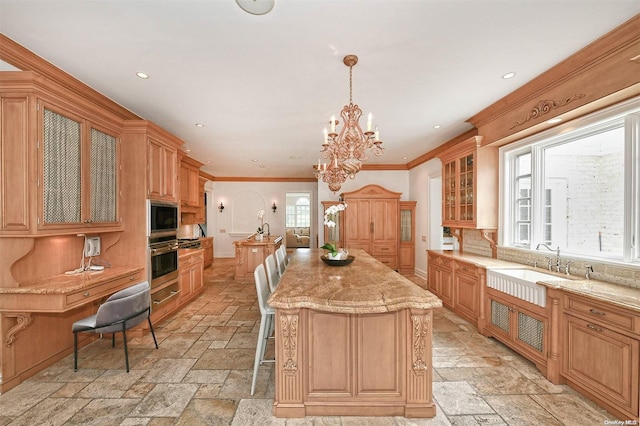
(440, 278)
(466, 283)
(601, 354)
(207, 247)
(190, 274)
(518, 324)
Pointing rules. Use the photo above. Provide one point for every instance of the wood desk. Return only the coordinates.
(250, 253)
(36, 318)
(351, 340)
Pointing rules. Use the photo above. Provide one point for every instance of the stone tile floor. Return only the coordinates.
(201, 375)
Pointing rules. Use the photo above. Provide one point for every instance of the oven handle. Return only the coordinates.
(173, 293)
(163, 250)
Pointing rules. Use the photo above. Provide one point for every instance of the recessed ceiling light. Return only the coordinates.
(509, 75)
(188, 150)
(255, 160)
(554, 120)
(208, 161)
(199, 125)
(256, 7)
(142, 75)
(261, 166)
(437, 126)
(404, 158)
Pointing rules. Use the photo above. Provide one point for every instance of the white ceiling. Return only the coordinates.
(264, 86)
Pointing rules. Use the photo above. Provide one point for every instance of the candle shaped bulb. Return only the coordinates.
(377, 134)
(369, 122)
(318, 164)
(335, 162)
(326, 137)
(333, 124)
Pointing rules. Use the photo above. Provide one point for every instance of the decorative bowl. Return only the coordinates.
(341, 262)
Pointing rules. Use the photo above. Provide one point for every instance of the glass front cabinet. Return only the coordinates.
(470, 185)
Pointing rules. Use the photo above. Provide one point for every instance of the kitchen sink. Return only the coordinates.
(521, 283)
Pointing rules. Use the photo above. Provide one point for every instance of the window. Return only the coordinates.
(298, 211)
(576, 186)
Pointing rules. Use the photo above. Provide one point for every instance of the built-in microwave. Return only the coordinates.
(162, 218)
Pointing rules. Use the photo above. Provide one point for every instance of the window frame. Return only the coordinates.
(625, 114)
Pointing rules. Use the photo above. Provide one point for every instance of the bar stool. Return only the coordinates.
(280, 260)
(283, 249)
(266, 319)
(273, 274)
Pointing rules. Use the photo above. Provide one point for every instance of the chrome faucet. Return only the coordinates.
(589, 269)
(557, 250)
(268, 227)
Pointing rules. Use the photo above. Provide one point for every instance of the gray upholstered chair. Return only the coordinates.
(121, 311)
(273, 274)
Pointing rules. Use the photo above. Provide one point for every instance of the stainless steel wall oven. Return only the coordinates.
(163, 258)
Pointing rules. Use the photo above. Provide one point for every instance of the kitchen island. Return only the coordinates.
(251, 252)
(351, 340)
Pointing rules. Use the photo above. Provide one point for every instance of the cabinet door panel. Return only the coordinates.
(61, 168)
(104, 177)
(154, 175)
(466, 296)
(358, 223)
(330, 372)
(385, 220)
(380, 344)
(603, 360)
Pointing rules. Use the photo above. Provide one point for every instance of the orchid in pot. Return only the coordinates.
(330, 217)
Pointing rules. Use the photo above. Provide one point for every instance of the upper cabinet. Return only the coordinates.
(470, 185)
(60, 162)
(191, 191)
(162, 158)
(162, 170)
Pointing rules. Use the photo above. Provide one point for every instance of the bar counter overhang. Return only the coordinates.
(351, 340)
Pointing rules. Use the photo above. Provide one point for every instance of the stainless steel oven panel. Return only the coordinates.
(163, 260)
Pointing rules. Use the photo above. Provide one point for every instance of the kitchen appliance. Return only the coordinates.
(163, 259)
(162, 218)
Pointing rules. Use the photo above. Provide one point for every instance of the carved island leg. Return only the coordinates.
(419, 366)
(289, 375)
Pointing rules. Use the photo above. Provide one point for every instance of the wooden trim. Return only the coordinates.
(258, 179)
(442, 148)
(604, 67)
(371, 191)
(22, 58)
(384, 167)
(206, 175)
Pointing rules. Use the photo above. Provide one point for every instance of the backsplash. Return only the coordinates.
(614, 273)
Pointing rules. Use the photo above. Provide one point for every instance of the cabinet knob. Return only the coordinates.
(86, 294)
(594, 312)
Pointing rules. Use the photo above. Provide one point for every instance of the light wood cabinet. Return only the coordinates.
(601, 353)
(202, 207)
(207, 247)
(470, 185)
(190, 274)
(372, 223)
(407, 253)
(162, 171)
(251, 253)
(466, 290)
(521, 325)
(60, 160)
(191, 191)
(440, 278)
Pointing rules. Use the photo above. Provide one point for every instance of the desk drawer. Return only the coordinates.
(102, 289)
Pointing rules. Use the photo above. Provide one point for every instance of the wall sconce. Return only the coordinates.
(220, 207)
(274, 207)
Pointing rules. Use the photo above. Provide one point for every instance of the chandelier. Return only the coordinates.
(348, 149)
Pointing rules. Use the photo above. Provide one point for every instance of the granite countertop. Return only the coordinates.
(252, 242)
(617, 294)
(63, 283)
(364, 286)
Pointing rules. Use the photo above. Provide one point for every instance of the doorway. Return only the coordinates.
(298, 220)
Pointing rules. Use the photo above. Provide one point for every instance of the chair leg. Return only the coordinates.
(75, 351)
(113, 340)
(152, 333)
(126, 353)
(258, 358)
